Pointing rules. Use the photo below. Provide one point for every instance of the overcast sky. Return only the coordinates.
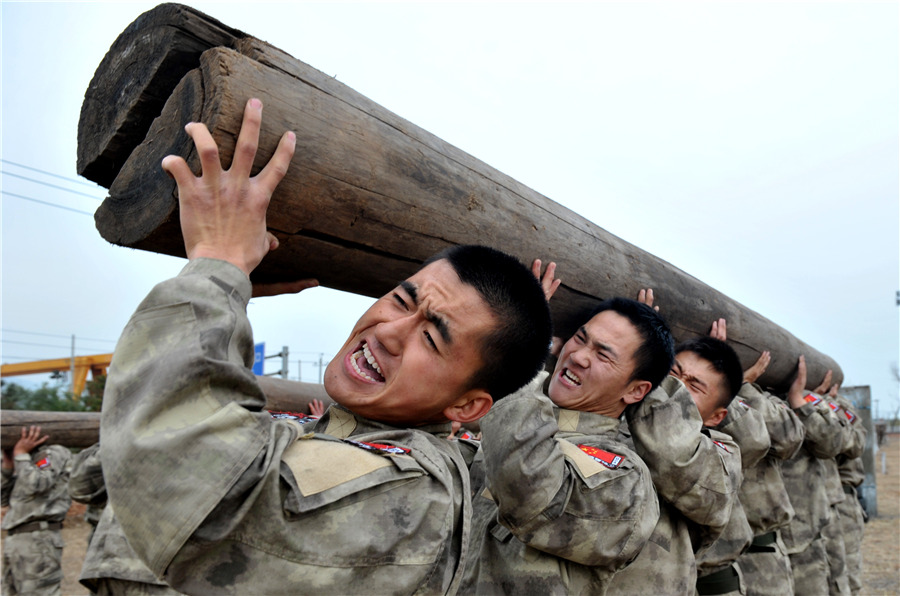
(753, 145)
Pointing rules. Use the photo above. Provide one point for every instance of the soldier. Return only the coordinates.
(850, 467)
(34, 487)
(807, 478)
(696, 472)
(852, 444)
(765, 567)
(86, 485)
(711, 371)
(215, 495)
(110, 564)
(560, 502)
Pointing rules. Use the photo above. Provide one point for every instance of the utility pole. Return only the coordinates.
(284, 362)
(72, 370)
(321, 355)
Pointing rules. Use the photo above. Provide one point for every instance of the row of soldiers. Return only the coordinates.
(626, 469)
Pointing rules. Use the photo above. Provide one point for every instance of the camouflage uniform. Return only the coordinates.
(717, 572)
(112, 567)
(807, 479)
(696, 473)
(38, 499)
(219, 497)
(854, 440)
(559, 504)
(86, 485)
(110, 564)
(765, 566)
(851, 474)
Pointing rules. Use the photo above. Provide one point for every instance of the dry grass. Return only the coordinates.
(881, 541)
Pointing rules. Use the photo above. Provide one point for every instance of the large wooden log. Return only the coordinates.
(82, 429)
(70, 429)
(134, 81)
(369, 196)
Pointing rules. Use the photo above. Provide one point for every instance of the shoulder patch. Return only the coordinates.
(320, 465)
(380, 447)
(721, 445)
(43, 463)
(813, 399)
(850, 415)
(467, 435)
(743, 403)
(834, 407)
(607, 458)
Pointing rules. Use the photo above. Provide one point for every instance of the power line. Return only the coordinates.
(47, 184)
(78, 337)
(46, 173)
(28, 343)
(10, 194)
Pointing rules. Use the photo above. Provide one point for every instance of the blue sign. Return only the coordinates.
(259, 358)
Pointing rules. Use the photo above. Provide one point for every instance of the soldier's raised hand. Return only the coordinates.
(718, 330)
(822, 388)
(31, 438)
(548, 280)
(646, 297)
(223, 212)
(758, 368)
(798, 388)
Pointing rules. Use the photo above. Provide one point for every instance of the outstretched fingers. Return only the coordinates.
(248, 139)
(277, 167)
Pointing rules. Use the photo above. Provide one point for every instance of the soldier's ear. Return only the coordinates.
(473, 404)
(636, 391)
(716, 418)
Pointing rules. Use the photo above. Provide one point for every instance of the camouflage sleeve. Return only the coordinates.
(823, 429)
(699, 474)
(591, 515)
(86, 480)
(854, 433)
(6, 487)
(38, 475)
(786, 432)
(747, 428)
(183, 415)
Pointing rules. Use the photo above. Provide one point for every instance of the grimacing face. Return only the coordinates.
(703, 382)
(593, 373)
(410, 357)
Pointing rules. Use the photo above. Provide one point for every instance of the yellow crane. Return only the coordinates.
(81, 365)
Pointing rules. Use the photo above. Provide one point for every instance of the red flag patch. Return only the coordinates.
(291, 416)
(380, 447)
(850, 415)
(743, 403)
(835, 407)
(721, 445)
(608, 459)
(813, 399)
(44, 463)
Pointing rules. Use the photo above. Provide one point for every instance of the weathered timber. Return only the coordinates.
(70, 429)
(82, 429)
(134, 80)
(369, 196)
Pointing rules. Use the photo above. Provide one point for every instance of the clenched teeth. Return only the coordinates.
(371, 359)
(367, 354)
(571, 377)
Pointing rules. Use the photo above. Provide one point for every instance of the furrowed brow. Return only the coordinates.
(441, 325)
(435, 319)
(411, 289)
(604, 347)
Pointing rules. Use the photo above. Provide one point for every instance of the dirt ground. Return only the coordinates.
(881, 543)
